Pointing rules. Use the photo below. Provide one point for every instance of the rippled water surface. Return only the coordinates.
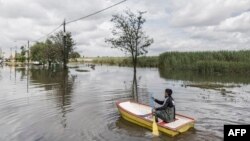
(43, 105)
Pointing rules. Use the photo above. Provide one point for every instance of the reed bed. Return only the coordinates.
(207, 62)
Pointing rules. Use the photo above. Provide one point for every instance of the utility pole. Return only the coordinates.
(64, 46)
(28, 52)
(15, 54)
(11, 54)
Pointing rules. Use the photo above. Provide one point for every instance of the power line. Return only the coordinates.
(78, 20)
(52, 31)
(48, 33)
(96, 12)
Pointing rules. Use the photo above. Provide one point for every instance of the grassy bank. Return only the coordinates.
(207, 62)
(150, 61)
(14, 63)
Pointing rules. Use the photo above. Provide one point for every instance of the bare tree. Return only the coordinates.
(128, 35)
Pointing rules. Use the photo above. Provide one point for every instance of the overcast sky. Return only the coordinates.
(175, 25)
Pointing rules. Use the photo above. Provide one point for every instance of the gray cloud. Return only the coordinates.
(240, 23)
(205, 12)
(175, 25)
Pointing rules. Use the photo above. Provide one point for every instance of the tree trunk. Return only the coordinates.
(134, 69)
(49, 64)
(135, 63)
(135, 88)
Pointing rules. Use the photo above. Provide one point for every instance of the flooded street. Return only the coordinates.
(43, 105)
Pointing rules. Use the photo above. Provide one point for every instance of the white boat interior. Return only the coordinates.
(144, 111)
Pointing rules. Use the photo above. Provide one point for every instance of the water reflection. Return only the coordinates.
(134, 88)
(198, 77)
(140, 92)
(130, 128)
(42, 104)
(60, 83)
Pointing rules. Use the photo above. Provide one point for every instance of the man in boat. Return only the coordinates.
(166, 111)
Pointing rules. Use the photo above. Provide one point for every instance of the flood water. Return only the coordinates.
(51, 105)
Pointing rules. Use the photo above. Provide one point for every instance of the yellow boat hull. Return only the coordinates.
(148, 123)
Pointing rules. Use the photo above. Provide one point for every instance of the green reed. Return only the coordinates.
(207, 62)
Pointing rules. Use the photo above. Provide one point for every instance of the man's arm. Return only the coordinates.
(164, 105)
(158, 101)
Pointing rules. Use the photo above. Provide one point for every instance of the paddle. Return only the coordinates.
(155, 130)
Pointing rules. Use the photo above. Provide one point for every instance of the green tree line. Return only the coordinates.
(52, 50)
(20, 57)
(143, 61)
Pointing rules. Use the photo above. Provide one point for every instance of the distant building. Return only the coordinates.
(87, 60)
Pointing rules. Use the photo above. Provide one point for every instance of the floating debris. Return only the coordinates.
(80, 70)
(73, 67)
(211, 85)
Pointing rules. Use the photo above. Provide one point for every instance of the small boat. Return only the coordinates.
(141, 114)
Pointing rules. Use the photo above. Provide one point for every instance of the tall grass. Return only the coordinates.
(207, 62)
(149, 61)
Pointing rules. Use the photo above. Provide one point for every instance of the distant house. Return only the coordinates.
(87, 60)
(36, 63)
